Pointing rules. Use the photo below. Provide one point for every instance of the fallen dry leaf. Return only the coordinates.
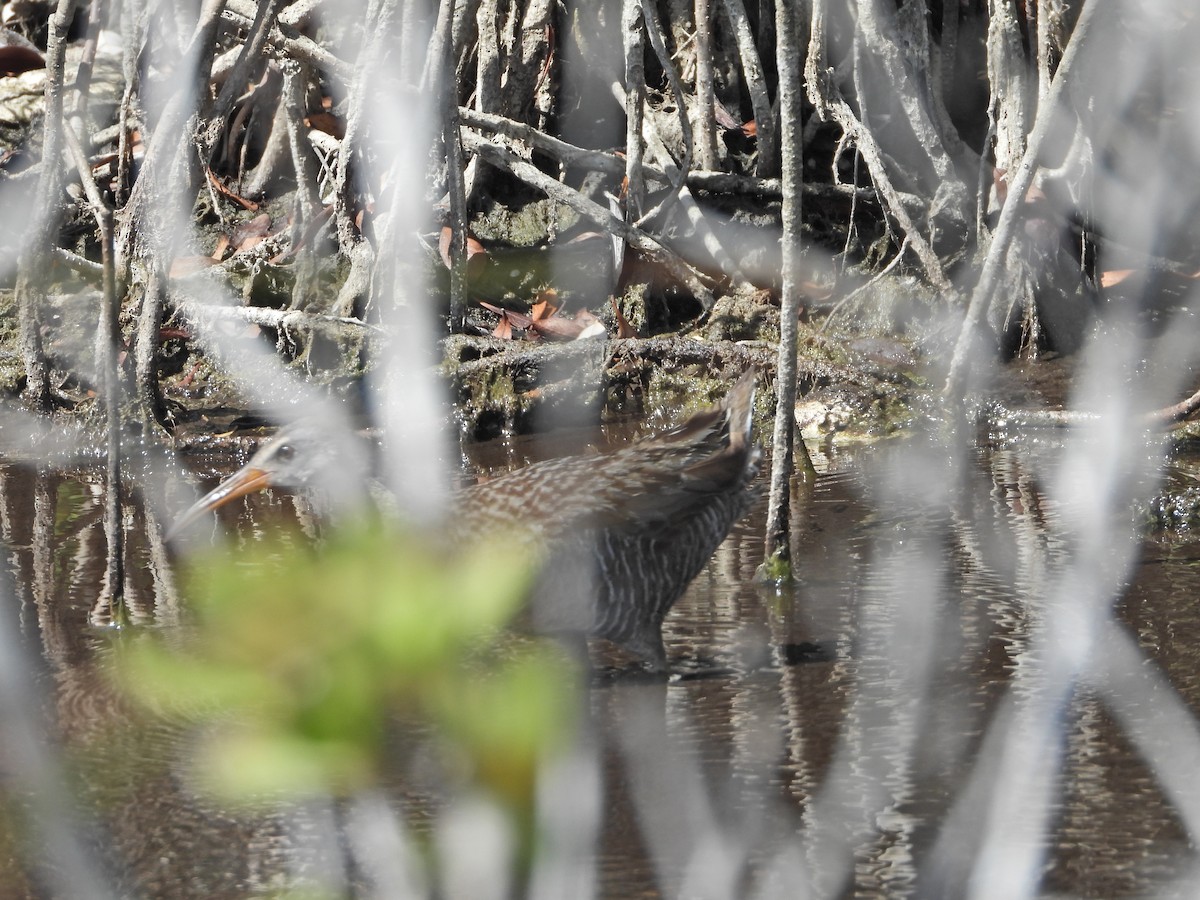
(474, 248)
(592, 326)
(328, 123)
(624, 329)
(508, 321)
(188, 265)
(1114, 277)
(227, 193)
(724, 117)
(814, 291)
(546, 305)
(251, 234)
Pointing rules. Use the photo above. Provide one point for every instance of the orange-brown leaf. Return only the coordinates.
(724, 117)
(519, 320)
(546, 304)
(592, 327)
(1114, 277)
(474, 248)
(814, 291)
(250, 234)
(222, 245)
(226, 192)
(508, 320)
(558, 329)
(503, 329)
(326, 122)
(187, 265)
(624, 329)
(187, 379)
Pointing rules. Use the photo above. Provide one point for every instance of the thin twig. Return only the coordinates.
(865, 288)
(76, 263)
(1006, 227)
(777, 547)
(715, 182)
(705, 103)
(756, 85)
(265, 317)
(290, 43)
(635, 100)
(679, 176)
(83, 73)
(827, 98)
(448, 88)
(45, 217)
(108, 374)
(637, 239)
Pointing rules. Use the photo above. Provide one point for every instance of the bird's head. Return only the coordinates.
(302, 456)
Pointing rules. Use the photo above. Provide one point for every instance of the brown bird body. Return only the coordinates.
(622, 534)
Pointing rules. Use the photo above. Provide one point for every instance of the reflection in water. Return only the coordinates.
(836, 738)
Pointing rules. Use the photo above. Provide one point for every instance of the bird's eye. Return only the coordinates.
(285, 453)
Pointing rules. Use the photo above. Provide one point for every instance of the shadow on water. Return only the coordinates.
(835, 724)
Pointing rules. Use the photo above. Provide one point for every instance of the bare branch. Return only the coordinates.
(637, 239)
(1006, 228)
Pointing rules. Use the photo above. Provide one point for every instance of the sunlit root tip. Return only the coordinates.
(775, 570)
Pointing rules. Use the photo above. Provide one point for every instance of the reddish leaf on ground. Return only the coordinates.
(1114, 277)
(624, 329)
(250, 234)
(503, 329)
(222, 245)
(592, 327)
(560, 328)
(187, 379)
(814, 291)
(544, 322)
(519, 320)
(364, 220)
(546, 304)
(188, 265)
(724, 117)
(327, 122)
(474, 248)
(227, 193)
(584, 236)
(508, 321)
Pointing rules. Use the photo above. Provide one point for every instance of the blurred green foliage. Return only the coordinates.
(308, 665)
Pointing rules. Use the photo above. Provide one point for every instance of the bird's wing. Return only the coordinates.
(652, 481)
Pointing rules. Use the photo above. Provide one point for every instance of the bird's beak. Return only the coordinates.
(245, 481)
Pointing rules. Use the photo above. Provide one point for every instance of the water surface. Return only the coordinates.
(830, 733)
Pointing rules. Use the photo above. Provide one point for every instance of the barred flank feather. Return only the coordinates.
(627, 531)
(622, 534)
